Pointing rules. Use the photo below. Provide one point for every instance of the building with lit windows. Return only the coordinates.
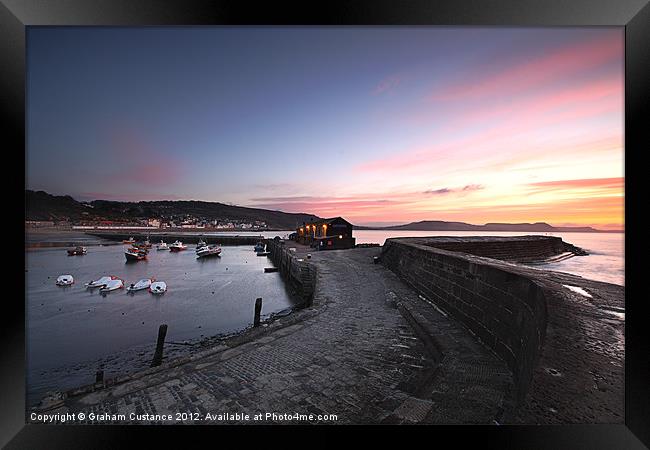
(326, 234)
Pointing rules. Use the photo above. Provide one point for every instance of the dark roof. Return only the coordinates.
(334, 219)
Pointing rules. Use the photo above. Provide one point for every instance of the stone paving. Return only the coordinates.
(369, 350)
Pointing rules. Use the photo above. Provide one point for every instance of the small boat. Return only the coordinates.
(145, 283)
(208, 250)
(146, 243)
(101, 282)
(112, 285)
(177, 247)
(159, 287)
(64, 280)
(259, 247)
(135, 254)
(79, 250)
(129, 241)
(162, 245)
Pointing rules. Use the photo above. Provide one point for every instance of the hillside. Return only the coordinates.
(438, 225)
(42, 206)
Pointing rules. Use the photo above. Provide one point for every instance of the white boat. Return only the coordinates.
(64, 280)
(142, 284)
(112, 285)
(177, 246)
(208, 250)
(162, 245)
(158, 287)
(101, 282)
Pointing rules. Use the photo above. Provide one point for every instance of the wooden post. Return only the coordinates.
(258, 311)
(99, 376)
(157, 357)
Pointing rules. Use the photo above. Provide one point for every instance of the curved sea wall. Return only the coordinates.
(562, 336)
(505, 310)
(514, 248)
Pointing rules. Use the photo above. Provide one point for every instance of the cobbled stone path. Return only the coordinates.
(356, 355)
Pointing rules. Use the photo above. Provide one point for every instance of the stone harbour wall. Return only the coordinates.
(515, 248)
(505, 310)
(186, 238)
(299, 274)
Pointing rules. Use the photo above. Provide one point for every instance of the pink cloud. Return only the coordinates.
(135, 161)
(582, 183)
(556, 65)
(493, 124)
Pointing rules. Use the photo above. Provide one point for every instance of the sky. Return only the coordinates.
(380, 125)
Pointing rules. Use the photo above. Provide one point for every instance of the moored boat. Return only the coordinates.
(112, 285)
(130, 240)
(259, 247)
(145, 283)
(177, 246)
(79, 250)
(162, 245)
(135, 254)
(208, 250)
(159, 287)
(101, 282)
(64, 280)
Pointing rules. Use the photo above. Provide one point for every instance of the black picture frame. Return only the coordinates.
(634, 15)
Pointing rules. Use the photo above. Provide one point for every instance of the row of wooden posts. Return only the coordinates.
(162, 332)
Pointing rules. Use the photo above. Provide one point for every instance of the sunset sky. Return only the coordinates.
(380, 125)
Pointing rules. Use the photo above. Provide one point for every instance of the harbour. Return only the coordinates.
(73, 331)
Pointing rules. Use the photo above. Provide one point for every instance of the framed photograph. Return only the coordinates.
(399, 214)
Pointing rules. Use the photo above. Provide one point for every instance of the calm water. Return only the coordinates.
(71, 331)
(606, 260)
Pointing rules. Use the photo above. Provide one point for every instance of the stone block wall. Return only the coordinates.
(515, 248)
(505, 310)
(300, 275)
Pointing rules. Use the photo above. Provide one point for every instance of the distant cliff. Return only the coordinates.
(439, 225)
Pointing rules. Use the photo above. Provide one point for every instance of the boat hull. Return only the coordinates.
(112, 286)
(208, 253)
(64, 280)
(134, 257)
(158, 287)
(139, 286)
